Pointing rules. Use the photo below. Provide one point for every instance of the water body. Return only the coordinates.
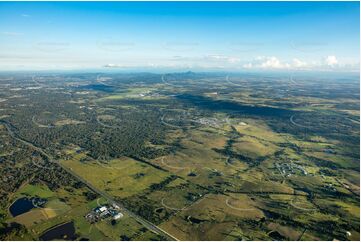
(25, 204)
(60, 232)
(20, 206)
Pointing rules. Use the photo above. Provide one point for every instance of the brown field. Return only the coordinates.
(211, 218)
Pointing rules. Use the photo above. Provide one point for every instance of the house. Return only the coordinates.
(118, 216)
(103, 209)
(100, 209)
(115, 206)
(104, 214)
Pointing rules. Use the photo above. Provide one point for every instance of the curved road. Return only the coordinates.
(294, 123)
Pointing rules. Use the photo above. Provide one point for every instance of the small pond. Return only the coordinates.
(20, 206)
(60, 232)
(25, 204)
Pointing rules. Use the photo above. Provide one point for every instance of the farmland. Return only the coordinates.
(201, 156)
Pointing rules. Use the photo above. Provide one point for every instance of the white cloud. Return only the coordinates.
(248, 66)
(260, 62)
(272, 62)
(298, 63)
(331, 60)
(266, 62)
(229, 62)
(114, 66)
(233, 60)
(25, 15)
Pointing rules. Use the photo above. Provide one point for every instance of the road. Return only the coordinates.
(294, 123)
(11, 133)
(110, 199)
(124, 210)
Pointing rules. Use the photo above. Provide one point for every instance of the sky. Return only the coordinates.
(227, 36)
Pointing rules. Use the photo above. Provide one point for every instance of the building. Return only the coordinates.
(118, 216)
(115, 206)
(103, 209)
(100, 209)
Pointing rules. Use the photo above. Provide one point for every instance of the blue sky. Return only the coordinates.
(180, 35)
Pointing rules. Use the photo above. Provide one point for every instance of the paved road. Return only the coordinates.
(11, 133)
(110, 199)
(144, 222)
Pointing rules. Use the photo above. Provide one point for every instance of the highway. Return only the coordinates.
(110, 199)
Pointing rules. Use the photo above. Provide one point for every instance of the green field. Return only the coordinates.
(120, 177)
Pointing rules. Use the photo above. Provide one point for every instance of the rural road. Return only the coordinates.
(294, 123)
(144, 222)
